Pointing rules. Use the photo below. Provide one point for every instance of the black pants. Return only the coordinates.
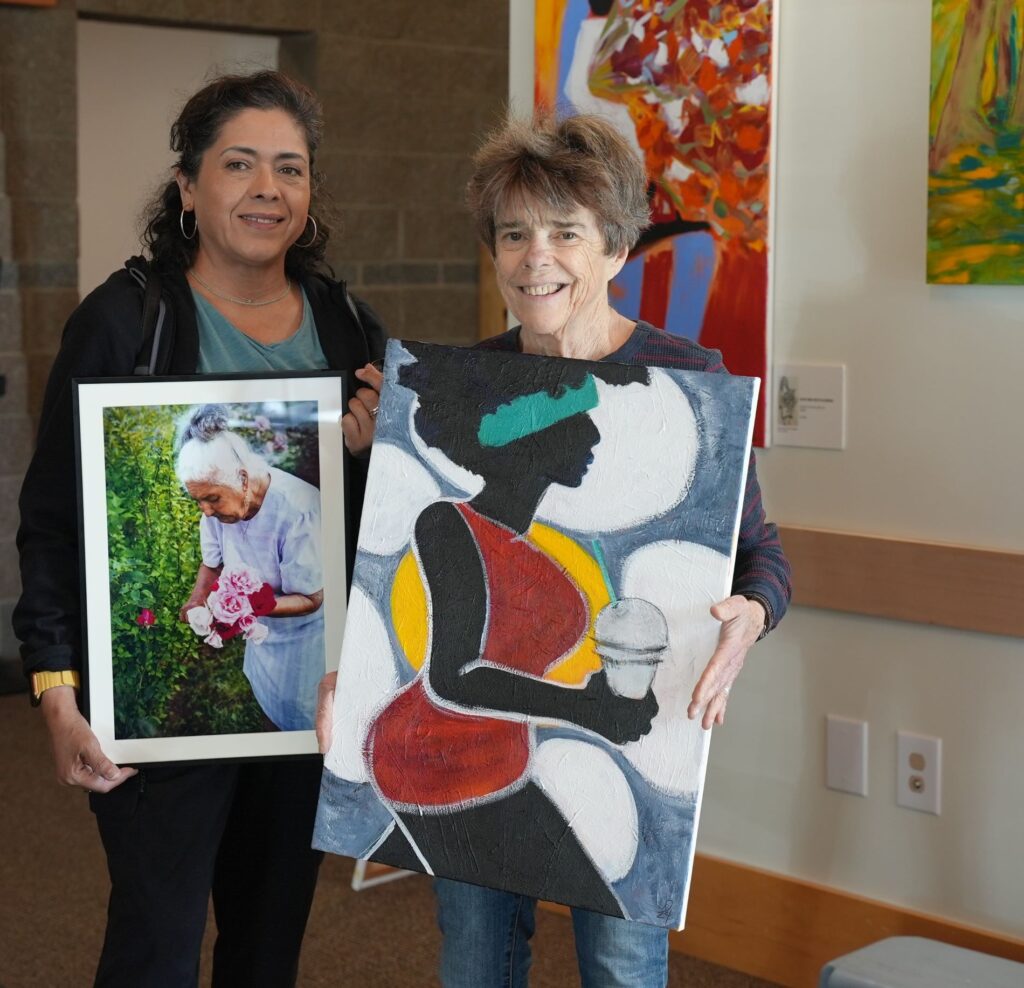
(173, 835)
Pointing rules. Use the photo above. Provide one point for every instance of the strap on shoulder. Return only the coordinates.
(353, 308)
(154, 309)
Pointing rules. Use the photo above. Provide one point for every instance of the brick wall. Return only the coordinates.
(14, 419)
(408, 89)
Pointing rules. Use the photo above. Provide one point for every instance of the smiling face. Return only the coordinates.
(553, 273)
(251, 194)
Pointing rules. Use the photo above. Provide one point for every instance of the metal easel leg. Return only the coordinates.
(379, 874)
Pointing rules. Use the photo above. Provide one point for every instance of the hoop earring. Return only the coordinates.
(312, 240)
(181, 223)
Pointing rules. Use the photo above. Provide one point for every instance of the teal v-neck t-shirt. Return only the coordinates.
(225, 349)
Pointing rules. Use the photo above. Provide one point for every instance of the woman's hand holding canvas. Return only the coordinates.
(358, 422)
(742, 624)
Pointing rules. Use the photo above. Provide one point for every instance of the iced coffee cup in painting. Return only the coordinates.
(631, 638)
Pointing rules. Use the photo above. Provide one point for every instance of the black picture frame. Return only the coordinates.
(156, 689)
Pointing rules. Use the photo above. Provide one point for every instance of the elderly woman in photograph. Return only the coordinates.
(267, 521)
(236, 238)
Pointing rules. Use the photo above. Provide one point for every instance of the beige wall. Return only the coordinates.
(407, 86)
(933, 453)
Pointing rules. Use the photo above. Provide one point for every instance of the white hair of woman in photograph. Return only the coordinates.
(209, 451)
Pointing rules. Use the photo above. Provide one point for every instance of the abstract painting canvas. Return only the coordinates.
(690, 86)
(976, 127)
(541, 542)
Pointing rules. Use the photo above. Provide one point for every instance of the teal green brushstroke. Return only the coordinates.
(535, 412)
(603, 566)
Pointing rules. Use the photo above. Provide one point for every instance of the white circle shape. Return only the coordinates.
(399, 488)
(643, 466)
(367, 679)
(592, 794)
(683, 580)
(469, 483)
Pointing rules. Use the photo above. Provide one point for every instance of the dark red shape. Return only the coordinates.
(657, 285)
(263, 600)
(423, 754)
(734, 320)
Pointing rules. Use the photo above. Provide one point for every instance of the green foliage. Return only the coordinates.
(290, 443)
(215, 692)
(166, 681)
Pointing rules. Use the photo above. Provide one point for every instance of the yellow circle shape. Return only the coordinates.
(409, 610)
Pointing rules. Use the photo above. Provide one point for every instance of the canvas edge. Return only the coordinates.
(726, 590)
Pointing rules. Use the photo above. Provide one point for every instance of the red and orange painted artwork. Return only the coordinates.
(689, 84)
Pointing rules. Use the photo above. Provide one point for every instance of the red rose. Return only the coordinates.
(263, 600)
(146, 618)
(227, 631)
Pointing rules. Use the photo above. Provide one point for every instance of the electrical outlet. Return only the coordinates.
(919, 772)
(846, 755)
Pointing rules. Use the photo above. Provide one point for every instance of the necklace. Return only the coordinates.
(236, 299)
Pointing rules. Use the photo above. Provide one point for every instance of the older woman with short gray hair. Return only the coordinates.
(560, 204)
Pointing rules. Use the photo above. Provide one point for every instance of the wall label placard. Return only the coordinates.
(810, 405)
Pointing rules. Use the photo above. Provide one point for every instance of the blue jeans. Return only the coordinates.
(486, 942)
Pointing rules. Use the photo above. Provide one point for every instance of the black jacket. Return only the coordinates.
(102, 338)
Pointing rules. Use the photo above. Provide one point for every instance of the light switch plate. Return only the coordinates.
(846, 754)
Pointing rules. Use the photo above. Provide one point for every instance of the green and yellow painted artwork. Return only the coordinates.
(976, 126)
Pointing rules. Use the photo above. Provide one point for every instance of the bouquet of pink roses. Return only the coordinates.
(234, 603)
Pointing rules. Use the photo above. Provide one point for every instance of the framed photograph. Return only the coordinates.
(213, 554)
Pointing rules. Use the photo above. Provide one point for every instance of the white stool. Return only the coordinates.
(914, 962)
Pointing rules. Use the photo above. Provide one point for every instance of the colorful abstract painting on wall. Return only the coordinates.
(689, 83)
(541, 544)
(975, 156)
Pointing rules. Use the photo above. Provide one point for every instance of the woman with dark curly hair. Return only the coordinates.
(236, 244)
